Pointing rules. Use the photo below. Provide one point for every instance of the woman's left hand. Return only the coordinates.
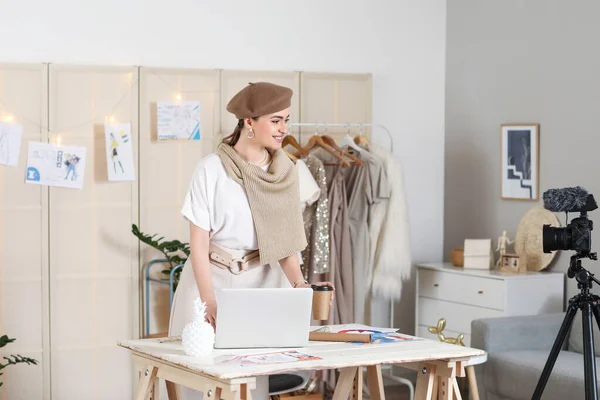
(308, 285)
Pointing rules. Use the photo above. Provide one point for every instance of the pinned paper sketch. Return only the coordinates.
(48, 164)
(10, 143)
(178, 120)
(119, 152)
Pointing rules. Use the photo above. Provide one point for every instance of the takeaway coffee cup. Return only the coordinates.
(320, 302)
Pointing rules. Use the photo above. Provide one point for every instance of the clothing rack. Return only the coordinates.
(349, 125)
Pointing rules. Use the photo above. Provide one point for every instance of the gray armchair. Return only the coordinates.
(518, 348)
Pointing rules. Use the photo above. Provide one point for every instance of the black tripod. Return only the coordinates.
(588, 303)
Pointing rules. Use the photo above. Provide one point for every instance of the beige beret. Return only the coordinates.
(260, 98)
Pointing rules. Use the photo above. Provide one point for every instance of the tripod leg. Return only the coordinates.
(596, 309)
(589, 360)
(558, 343)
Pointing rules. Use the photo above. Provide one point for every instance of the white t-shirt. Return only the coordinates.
(219, 205)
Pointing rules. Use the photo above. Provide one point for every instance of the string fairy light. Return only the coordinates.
(43, 127)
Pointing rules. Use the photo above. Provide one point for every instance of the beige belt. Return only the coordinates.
(222, 258)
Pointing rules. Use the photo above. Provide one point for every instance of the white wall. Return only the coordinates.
(401, 42)
(486, 88)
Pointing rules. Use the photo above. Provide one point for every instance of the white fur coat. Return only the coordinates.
(390, 237)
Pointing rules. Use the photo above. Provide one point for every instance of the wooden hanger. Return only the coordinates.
(317, 141)
(361, 140)
(291, 156)
(329, 140)
(289, 139)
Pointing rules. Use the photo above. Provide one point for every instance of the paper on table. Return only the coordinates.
(271, 358)
(352, 328)
(377, 334)
(392, 337)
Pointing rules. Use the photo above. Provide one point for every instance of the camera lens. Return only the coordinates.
(556, 238)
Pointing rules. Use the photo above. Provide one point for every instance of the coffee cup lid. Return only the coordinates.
(322, 288)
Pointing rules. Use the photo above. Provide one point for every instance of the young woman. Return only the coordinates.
(243, 204)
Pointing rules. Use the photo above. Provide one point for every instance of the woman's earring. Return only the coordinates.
(250, 134)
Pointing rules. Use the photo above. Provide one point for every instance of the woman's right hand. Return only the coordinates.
(211, 313)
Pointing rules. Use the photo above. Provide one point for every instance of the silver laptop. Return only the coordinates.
(251, 318)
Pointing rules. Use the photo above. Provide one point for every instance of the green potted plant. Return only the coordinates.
(175, 251)
(13, 359)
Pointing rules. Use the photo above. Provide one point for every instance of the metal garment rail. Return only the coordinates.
(349, 125)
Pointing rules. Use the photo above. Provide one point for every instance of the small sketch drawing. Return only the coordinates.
(4, 147)
(52, 165)
(71, 162)
(10, 143)
(178, 120)
(115, 154)
(119, 152)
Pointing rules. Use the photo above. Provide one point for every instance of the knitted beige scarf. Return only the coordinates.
(274, 198)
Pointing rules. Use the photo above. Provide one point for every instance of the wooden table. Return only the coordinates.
(438, 365)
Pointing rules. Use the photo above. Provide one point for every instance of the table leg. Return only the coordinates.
(155, 393)
(448, 388)
(457, 393)
(375, 382)
(472, 382)
(357, 388)
(343, 388)
(176, 376)
(146, 383)
(245, 392)
(172, 391)
(425, 383)
(437, 380)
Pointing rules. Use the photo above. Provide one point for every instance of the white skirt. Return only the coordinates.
(263, 276)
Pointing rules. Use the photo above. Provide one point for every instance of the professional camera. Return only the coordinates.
(577, 235)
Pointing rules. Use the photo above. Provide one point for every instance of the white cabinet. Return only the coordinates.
(462, 295)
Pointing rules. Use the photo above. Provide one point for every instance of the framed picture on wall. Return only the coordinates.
(520, 154)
